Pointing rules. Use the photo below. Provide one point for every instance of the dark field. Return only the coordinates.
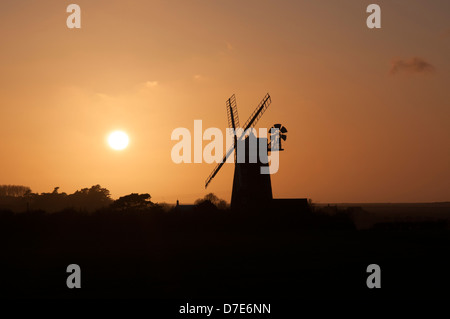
(220, 254)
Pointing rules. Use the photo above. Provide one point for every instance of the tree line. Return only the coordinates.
(20, 198)
(14, 190)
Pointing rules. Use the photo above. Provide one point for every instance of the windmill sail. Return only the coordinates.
(258, 112)
(251, 122)
(219, 166)
(232, 113)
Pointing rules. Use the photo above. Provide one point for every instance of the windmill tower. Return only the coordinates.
(251, 189)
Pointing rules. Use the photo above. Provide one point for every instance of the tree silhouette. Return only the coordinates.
(134, 201)
(213, 199)
(91, 198)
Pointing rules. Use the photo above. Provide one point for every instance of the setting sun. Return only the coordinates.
(118, 140)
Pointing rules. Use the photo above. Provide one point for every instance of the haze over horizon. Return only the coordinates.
(368, 111)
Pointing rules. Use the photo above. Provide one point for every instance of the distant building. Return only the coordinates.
(183, 208)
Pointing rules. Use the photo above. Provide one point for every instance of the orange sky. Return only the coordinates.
(358, 132)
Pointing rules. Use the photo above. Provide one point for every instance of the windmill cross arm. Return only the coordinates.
(258, 112)
(253, 119)
(218, 167)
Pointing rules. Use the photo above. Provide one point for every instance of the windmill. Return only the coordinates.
(250, 187)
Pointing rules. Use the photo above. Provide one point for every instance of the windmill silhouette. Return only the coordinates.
(250, 187)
